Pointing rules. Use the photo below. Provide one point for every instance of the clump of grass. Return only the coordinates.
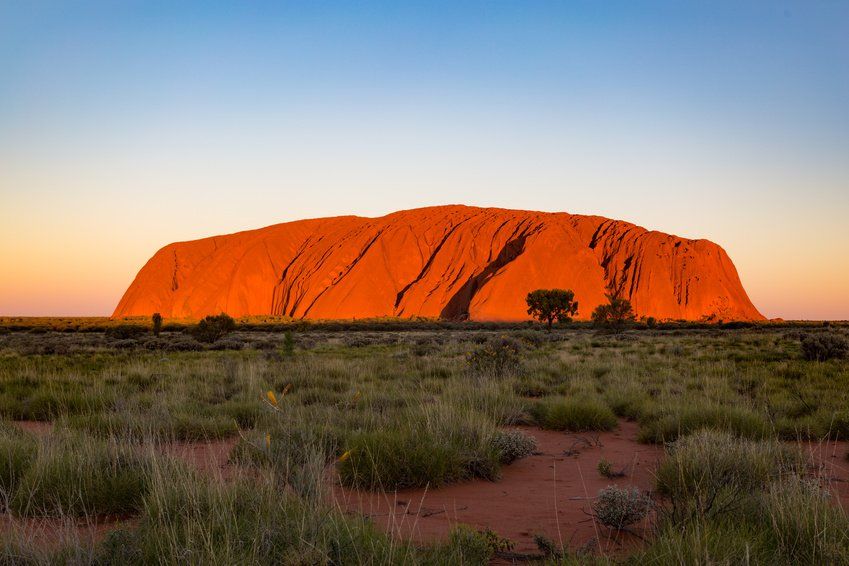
(630, 402)
(46, 403)
(297, 452)
(779, 516)
(573, 414)
(433, 448)
(805, 527)
(183, 424)
(685, 419)
(468, 546)
(17, 451)
(244, 521)
(76, 475)
(712, 472)
(605, 469)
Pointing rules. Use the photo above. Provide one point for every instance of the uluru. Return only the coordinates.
(452, 262)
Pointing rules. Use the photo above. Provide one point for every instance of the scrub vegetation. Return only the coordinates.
(384, 405)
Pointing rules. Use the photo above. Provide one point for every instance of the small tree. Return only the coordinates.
(545, 305)
(616, 312)
(157, 323)
(212, 328)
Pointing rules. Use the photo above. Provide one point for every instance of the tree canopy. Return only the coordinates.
(548, 305)
(616, 312)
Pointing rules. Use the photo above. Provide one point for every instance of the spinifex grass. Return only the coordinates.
(395, 406)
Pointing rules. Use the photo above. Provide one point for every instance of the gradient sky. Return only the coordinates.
(128, 125)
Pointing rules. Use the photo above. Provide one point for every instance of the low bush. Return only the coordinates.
(619, 507)
(573, 414)
(496, 358)
(212, 328)
(182, 344)
(824, 346)
(512, 445)
(125, 331)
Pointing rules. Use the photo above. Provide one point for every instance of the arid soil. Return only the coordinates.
(548, 493)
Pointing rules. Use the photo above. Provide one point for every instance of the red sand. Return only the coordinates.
(446, 261)
(549, 493)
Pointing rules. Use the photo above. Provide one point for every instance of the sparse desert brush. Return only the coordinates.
(125, 331)
(212, 328)
(425, 417)
(824, 346)
(512, 445)
(573, 414)
(620, 507)
(495, 358)
(713, 472)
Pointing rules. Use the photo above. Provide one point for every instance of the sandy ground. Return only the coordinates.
(549, 493)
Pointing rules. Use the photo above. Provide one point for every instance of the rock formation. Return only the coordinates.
(451, 262)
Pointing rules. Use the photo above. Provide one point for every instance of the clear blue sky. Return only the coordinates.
(127, 125)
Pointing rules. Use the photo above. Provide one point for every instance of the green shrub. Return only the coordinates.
(628, 402)
(211, 328)
(824, 346)
(125, 331)
(400, 459)
(730, 497)
(47, 403)
(573, 414)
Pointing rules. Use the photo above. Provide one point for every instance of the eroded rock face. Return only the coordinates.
(449, 261)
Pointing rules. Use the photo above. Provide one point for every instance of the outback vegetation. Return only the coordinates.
(548, 305)
(96, 424)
